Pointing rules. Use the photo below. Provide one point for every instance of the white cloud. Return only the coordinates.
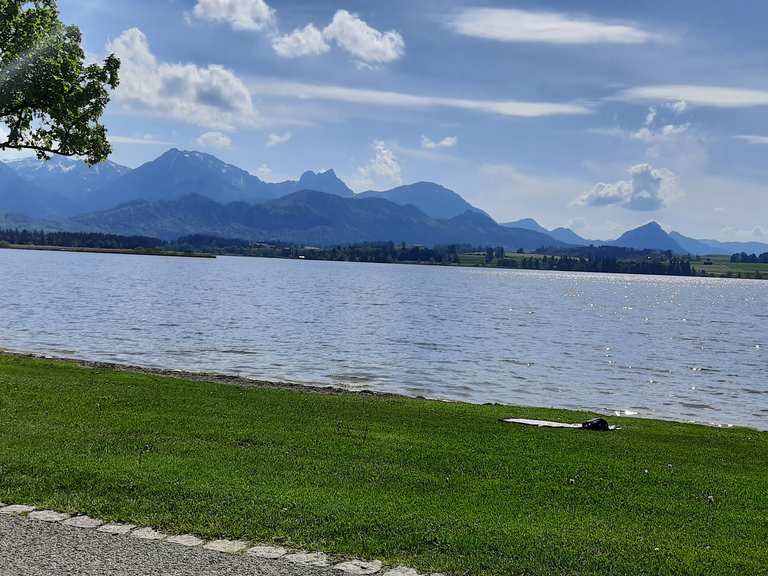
(401, 100)
(648, 133)
(384, 168)
(362, 41)
(209, 96)
(278, 139)
(510, 25)
(752, 139)
(650, 118)
(308, 41)
(447, 142)
(667, 132)
(264, 172)
(689, 94)
(648, 190)
(214, 140)
(679, 107)
(146, 140)
(239, 14)
(350, 33)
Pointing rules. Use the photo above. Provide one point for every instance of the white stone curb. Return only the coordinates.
(186, 540)
(48, 516)
(116, 529)
(83, 522)
(147, 534)
(277, 553)
(309, 559)
(227, 546)
(401, 571)
(17, 509)
(359, 567)
(268, 552)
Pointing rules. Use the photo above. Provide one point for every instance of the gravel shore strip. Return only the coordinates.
(51, 543)
(216, 377)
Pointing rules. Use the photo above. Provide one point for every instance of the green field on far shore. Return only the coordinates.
(723, 267)
(438, 486)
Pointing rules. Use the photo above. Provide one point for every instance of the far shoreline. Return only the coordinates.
(85, 250)
(757, 275)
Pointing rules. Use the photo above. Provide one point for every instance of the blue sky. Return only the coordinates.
(598, 115)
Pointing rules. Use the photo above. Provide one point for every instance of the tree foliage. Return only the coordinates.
(51, 101)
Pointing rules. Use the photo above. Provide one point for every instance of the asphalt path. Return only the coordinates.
(34, 548)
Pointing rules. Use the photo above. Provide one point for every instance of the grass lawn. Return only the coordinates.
(722, 266)
(439, 486)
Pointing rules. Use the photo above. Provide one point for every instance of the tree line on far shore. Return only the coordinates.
(744, 258)
(607, 259)
(78, 239)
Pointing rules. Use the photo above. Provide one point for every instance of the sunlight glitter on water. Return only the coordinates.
(604, 342)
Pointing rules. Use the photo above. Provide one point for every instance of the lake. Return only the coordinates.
(690, 349)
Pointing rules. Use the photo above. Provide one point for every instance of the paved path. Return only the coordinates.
(34, 548)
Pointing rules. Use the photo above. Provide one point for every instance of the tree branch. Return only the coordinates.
(8, 145)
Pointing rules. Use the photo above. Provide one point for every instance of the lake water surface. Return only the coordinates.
(667, 347)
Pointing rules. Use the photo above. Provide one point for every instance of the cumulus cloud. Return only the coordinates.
(651, 132)
(362, 41)
(278, 139)
(307, 41)
(447, 142)
(650, 118)
(264, 172)
(648, 189)
(350, 33)
(384, 168)
(215, 140)
(251, 15)
(510, 25)
(679, 107)
(210, 96)
(664, 133)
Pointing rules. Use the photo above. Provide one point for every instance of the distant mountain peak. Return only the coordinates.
(432, 199)
(330, 173)
(650, 236)
(527, 224)
(474, 216)
(325, 182)
(652, 225)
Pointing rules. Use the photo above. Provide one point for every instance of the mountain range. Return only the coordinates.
(650, 236)
(187, 192)
(307, 217)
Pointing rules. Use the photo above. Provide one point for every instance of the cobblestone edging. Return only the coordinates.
(352, 567)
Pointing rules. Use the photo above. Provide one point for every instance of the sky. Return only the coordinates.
(593, 114)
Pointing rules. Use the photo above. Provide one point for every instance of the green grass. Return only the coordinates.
(722, 266)
(478, 258)
(440, 486)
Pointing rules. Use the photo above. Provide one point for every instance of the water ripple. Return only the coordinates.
(681, 348)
